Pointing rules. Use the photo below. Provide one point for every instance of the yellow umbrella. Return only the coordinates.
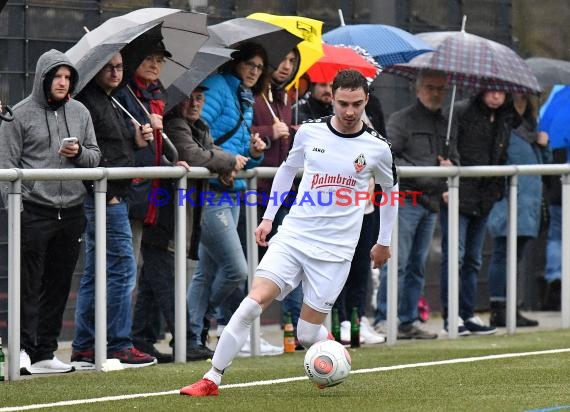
(310, 49)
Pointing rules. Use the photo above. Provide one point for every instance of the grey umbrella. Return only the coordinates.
(182, 32)
(550, 71)
(276, 41)
(209, 57)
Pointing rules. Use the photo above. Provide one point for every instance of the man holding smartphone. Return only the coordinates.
(118, 150)
(52, 217)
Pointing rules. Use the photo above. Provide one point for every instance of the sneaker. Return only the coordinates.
(133, 358)
(53, 365)
(25, 363)
(367, 333)
(197, 353)
(298, 345)
(381, 328)
(265, 348)
(147, 347)
(461, 329)
(498, 319)
(412, 331)
(476, 326)
(523, 321)
(204, 387)
(83, 360)
(345, 333)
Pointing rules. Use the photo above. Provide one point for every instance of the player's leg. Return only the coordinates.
(322, 283)
(310, 328)
(233, 337)
(277, 274)
(263, 292)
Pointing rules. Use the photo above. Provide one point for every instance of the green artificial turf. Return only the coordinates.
(512, 384)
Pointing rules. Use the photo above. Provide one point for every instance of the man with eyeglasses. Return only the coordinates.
(118, 150)
(418, 134)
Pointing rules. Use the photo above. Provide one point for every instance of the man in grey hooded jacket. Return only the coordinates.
(52, 217)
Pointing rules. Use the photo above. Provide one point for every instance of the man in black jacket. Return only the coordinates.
(418, 137)
(118, 150)
(319, 104)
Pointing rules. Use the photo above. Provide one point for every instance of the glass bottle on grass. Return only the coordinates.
(2, 362)
(354, 328)
(288, 335)
(335, 325)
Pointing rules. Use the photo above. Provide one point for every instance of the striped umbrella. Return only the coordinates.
(472, 62)
(387, 44)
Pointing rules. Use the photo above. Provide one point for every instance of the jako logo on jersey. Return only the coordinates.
(318, 149)
(360, 163)
(327, 180)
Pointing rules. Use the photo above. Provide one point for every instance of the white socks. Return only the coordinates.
(309, 333)
(233, 338)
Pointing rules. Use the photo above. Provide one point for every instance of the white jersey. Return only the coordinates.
(331, 197)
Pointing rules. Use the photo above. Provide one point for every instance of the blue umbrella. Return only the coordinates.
(555, 117)
(387, 44)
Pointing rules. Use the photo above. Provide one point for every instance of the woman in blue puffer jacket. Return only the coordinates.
(228, 111)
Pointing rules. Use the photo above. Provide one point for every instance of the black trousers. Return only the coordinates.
(49, 251)
(155, 294)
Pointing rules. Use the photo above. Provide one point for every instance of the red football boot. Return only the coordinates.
(204, 387)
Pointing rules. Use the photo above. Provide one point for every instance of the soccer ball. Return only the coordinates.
(327, 363)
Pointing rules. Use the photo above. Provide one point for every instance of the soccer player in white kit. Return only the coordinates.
(316, 242)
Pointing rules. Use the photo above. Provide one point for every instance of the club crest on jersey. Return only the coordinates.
(359, 163)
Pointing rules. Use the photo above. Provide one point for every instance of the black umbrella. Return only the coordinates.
(182, 32)
(276, 41)
(550, 71)
(209, 57)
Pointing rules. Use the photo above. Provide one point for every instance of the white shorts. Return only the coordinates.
(288, 261)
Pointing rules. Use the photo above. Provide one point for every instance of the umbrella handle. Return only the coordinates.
(173, 152)
(275, 118)
(8, 109)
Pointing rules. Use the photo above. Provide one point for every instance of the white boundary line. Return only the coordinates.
(285, 380)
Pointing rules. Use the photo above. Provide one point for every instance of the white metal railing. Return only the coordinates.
(102, 175)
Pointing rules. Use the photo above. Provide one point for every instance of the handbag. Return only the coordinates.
(139, 191)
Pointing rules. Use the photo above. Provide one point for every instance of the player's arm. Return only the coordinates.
(387, 177)
(380, 252)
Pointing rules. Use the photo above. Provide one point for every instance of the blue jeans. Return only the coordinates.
(498, 266)
(415, 232)
(121, 278)
(222, 266)
(554, 245)
(472, 230)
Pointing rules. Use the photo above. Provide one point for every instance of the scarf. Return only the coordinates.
(152, 95)
(246, 96)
